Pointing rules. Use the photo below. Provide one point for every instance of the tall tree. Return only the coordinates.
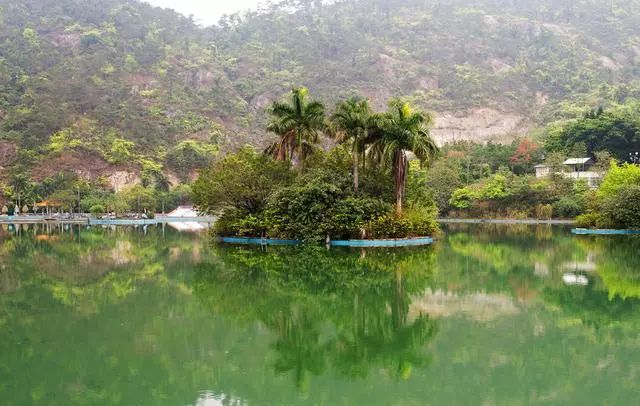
(298, 125)
(398, 131)
(350, 124)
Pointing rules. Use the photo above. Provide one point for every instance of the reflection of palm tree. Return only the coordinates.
(326, 307)
(378, 337)
(298, 347)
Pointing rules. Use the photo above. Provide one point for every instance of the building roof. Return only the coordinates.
(577, 161)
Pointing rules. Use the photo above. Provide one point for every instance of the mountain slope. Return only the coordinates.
(130, 91)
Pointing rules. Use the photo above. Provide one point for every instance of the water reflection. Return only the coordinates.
(151, 316)
(210, 398)
(335, 310)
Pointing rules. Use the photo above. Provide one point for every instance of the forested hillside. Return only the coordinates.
(121, 90)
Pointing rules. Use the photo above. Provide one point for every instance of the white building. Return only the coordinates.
(574, 168)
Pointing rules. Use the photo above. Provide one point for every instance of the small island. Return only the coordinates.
(368, 186)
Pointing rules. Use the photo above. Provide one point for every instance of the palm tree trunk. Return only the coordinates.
(356, 167)
(400, 178)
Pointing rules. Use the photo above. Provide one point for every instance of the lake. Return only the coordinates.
(489, 315)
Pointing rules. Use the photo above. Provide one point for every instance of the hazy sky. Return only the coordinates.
(206, 12)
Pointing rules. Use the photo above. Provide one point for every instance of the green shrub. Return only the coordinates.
(568, 207)
(97, 209)
(544, 212)
(388, 226)
(587, 220)
(415, 222)
(422, 220)
(623, 210)
(237, 224)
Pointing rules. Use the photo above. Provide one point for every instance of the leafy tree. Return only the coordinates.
(462, 198)
(120, 151)
(190, 155)
(616, 130)
(527, 154)
(138, 198)
(398, 131)
(444, 177)
(618, 178)
(244, 181)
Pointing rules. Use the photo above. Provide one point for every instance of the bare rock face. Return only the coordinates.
(499, 65)
(262, 101)
(200, 78)
(8, 151)
(609, 63)
(119, 180)
(479, 125)
(69, 40)
(387, 66)
(428, 83)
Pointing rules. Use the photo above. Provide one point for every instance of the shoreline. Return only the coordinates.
(87, 221)
(506, 221)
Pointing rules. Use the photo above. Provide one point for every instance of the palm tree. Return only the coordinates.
(398, 131)
(298, 125)
(351, 123)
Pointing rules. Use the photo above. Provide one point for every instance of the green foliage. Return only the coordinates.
(297, 125)
(244, 181)
(568, 207)
(462, 198)
(618, 178)
(616, 203)
(120, 151)
(623, 210)
(616, 130)
(414, 222)
(318, 205)
(443, 179)
(190, 155)
(509, 195)
(396, 132)
(97, 209)
(138, 198)
(390, 225)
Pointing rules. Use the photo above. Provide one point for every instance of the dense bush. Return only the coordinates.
(415, 222)
(623, 210)
(617, 202)
(568, 207)
(244, 181)
(97, 209)
(505, 194)
(318, 205)
(234, 223)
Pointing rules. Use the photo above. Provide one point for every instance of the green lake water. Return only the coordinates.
(489, 315)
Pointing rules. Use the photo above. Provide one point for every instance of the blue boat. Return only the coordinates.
(404, 242)
(587, 231)
(257, 241)
(407, 242)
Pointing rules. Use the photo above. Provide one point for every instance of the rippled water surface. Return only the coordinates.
(490, 315)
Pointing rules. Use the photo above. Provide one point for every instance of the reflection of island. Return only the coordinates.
(327, 309)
